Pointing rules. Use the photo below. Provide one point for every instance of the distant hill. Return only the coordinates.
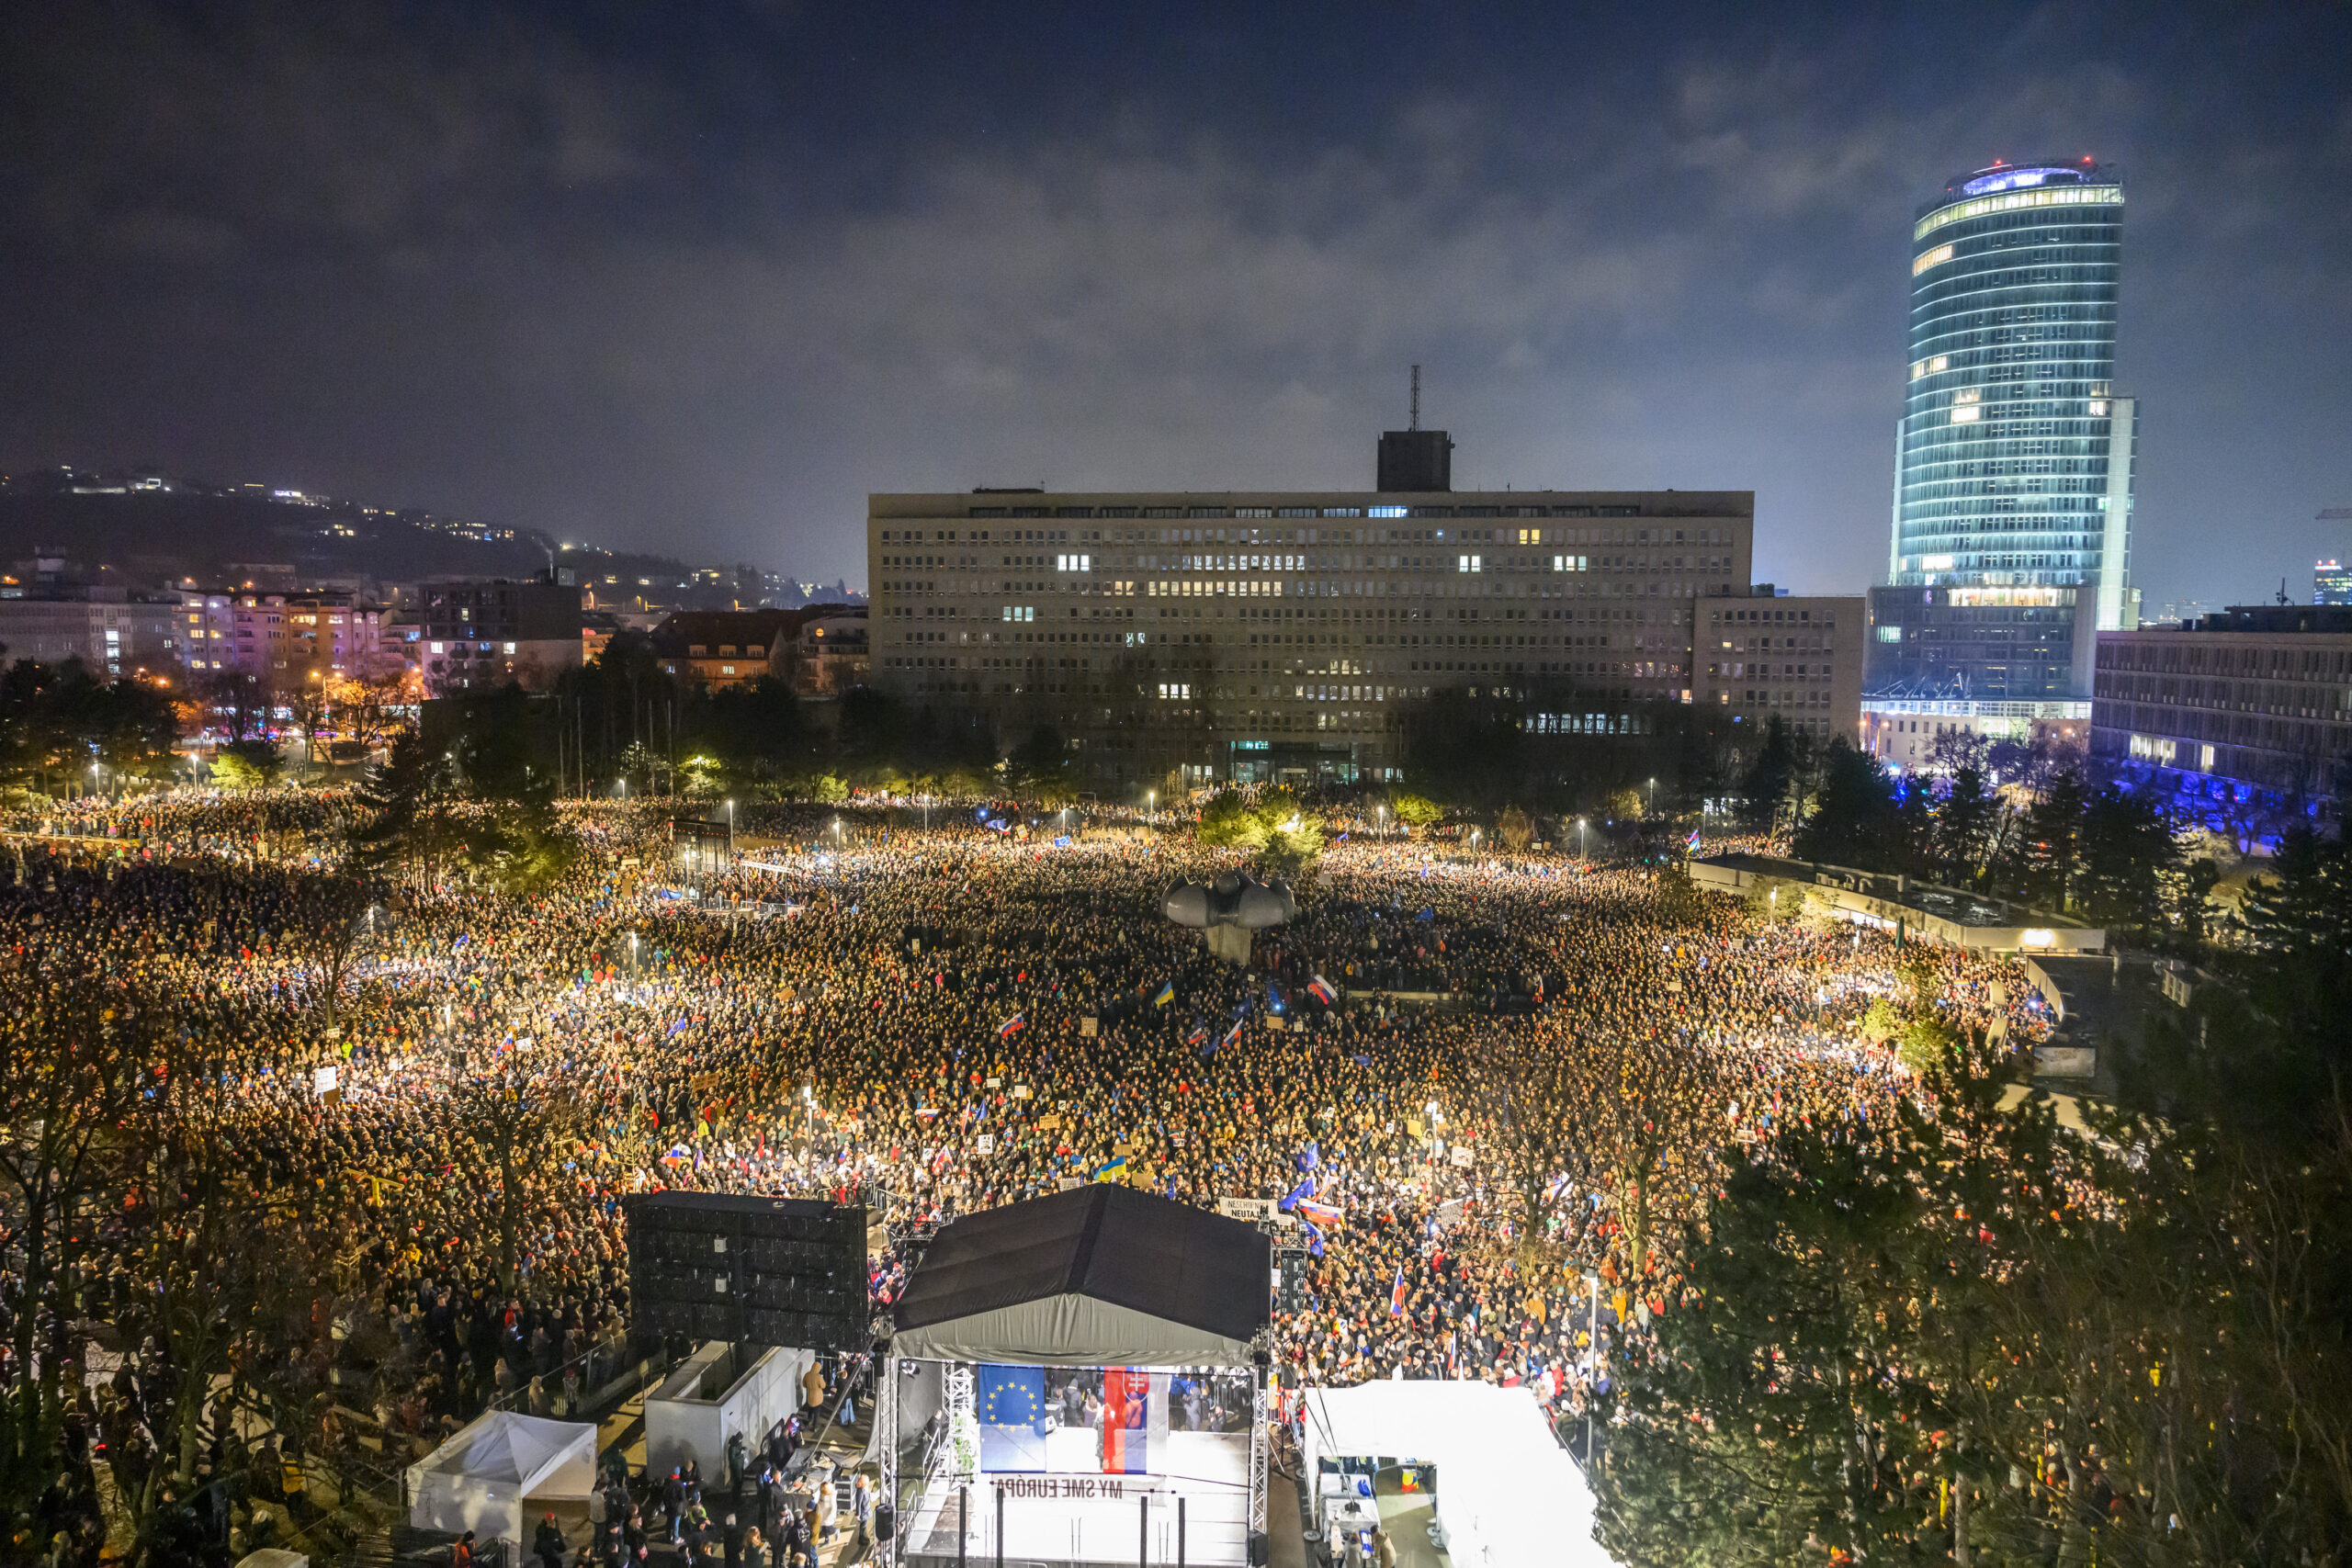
(152, 537)
(146, 538)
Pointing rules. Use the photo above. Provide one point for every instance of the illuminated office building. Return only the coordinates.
(2331, 582)
(2014, 457)
(1279, 635)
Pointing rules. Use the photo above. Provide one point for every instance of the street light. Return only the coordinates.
(1151, 806)
(1582, 851)
(730, 827)
(1653, 797)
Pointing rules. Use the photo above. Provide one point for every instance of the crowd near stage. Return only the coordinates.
(1082, 1379)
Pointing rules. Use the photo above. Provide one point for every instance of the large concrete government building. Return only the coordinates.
(1277, 635)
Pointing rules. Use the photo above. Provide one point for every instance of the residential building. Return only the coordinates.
(2010, 549)
(2256, 696)
(714, 648)
(1799, 660)
(1276, 634)
(2331, 582)
(107, 629)
(597, 628)
(477, 634)
(832, 652)
(285, 638)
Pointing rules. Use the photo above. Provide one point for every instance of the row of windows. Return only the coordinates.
(1554, 509)
(901, 537)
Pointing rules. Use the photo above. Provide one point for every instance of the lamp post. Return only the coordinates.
(1653, 797)
(1151, 806)
(730, 827)
(632, 956)
(1583, 853)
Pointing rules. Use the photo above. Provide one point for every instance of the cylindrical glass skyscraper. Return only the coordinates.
(2014, 457)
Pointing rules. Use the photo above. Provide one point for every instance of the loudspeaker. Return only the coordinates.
(1257, 1549)
(885, 1523)
(768, 1270)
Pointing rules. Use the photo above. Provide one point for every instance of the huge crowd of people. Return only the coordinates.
(936, 1019)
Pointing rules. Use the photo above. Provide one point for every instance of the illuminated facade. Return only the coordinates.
(1278, 634)
(2331, 582)
(2014, 457)
(2257, 697)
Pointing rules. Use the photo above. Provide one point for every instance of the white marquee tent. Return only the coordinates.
(481, 1479)
(1507, 1495)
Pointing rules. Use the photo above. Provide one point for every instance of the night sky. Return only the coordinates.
(698, 276)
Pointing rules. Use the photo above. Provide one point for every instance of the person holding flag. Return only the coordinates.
(1321, 990)
(1166, 994)
(1397, 1294)
(1011, 1026)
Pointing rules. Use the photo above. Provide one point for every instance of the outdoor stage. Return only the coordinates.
(1074, 1514)
(1038, 1324)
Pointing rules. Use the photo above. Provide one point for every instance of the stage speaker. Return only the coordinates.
(885, 1523)
(783, 1271)
(1257, 1549)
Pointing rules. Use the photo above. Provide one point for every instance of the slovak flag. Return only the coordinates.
(1315, 1211)
(1321, 991)
(1397, 1294)
(1011, 1027)
(1233, 1035)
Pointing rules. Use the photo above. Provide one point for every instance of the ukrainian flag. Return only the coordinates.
(1115, 1171)
(1167, 995)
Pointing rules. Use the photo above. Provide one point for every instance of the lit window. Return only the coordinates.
(1470, 563)
(1967, 414)
(2099, 407)
(1935, 258)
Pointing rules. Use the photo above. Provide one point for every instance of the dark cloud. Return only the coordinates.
(702, 280)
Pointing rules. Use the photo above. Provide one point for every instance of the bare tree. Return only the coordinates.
(74, 1058)
(524, 1125)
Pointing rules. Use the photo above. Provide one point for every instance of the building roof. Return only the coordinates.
(1101, 1275)
(707, 630)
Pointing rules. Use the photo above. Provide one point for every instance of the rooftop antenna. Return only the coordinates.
(1416, 424)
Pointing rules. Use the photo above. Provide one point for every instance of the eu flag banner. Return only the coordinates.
(1010, 1396)
(1010, 1402)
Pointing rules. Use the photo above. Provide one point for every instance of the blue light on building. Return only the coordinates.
(2011, 544)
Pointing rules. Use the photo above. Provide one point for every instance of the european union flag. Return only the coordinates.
(1010, 1396)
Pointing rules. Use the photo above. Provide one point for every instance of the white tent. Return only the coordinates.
(480, 1479)
(1507, 1495)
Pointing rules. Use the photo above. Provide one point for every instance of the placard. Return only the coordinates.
(326, 1080)
(1086, 1027)
(984, 1143)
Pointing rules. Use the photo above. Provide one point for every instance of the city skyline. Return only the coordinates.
(706, 286)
